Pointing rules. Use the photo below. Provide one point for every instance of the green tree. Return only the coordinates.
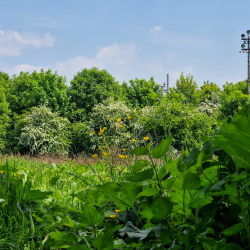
(207, 89)
(90, 87)
(231, 87)
(188, 87)
(31, 90)
(142, 93)
(232, 102)
(4, 118)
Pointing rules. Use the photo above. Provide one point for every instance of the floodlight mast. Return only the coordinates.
(246, 41)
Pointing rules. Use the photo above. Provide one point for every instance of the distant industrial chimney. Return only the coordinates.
(167, 82)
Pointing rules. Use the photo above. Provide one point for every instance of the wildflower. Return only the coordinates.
(129, 117)
(104, 153)
(104, 128)
(104, 146)
(100, 148)
(146, 138)
(126, 156)
(119, 119)
(133, 140)
(121, 156)
(93, 132)
(112, 216)
(18, 174)
(108, 153)
(101, 130)
(124, 149)
(110, 119)
(100, 133)
(104, 140)
(121, 126)
(94, 156)
(117, 211)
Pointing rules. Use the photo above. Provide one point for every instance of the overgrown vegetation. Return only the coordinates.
(167, 172)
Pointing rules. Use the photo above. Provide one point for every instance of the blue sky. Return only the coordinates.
(129, 38)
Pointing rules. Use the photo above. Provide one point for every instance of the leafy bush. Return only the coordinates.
(187, 125)
(232, 103)
(142, 93)
(4, 119)
(231, 87)
(80, 137)
(30, 90)
(90, 87)
(44, 132)
(117, 133)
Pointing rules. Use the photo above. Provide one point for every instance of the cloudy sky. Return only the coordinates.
(129, 38)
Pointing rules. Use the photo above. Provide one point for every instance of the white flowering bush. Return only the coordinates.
(212, 105)
(120, 124)
(45, 132)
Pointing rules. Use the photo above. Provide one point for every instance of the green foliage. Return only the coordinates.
(90, 87)
(44, 132)
(31, 90)
(80, 137)
(141, 93)
(4, 119)
(187, 125)
(231, 87)
(232, 103)
(188, 87)
(207, 89)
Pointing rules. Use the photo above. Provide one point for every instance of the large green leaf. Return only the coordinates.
(36, 195)
(161, 208)
(141, 151)
(90, 216)
(234, 138)
(234, 229)
(105, 240)
(162, 148)
(139, 165)
(148, 191)
(191, 181)
(141, 176)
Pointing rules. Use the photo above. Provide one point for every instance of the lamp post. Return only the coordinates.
(246, 41)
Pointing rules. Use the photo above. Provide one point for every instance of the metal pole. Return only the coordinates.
(248, 64)
(167, 82)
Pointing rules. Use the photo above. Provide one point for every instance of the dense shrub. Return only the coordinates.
(117, 133)
(187, 125)
(231, 87)
(80, 138)
(44, 132)
(31, 90)
(232, 103)
(141, 93)
(90, 87)
(4, 119)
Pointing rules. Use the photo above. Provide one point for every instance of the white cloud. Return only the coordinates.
(12, 42)
(156, 29)
(114, 57)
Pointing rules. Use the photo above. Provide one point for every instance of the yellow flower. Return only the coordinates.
(1, 172)
(104, 146)
(121, 126)
(108, 153)
(94, 156)
(104, 128)
(93, 132)
(129, 117)
(100, 148)
(110, 119)
(146, 138)
(122, 156)
(101, 130)
(100, 133)
(112, 216)
(104, 153)
(119, 119)
(133, 140)
(117, 211)
(18, 174)
(124, 149)
(126, 156)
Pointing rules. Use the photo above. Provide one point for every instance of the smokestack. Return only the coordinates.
(167, 82)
